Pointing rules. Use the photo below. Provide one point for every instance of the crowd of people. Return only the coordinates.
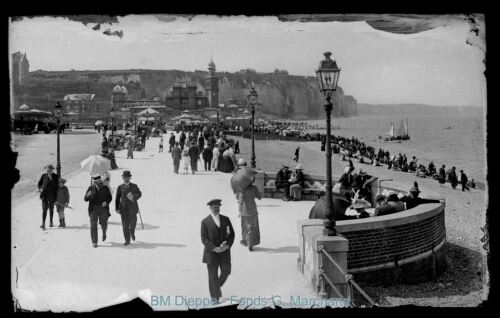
(352, 148)
(30, 127)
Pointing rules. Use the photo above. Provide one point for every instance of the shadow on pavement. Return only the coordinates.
(284, 249)
(146, 226)
(139, 244)
(74, 227)
(269, 205)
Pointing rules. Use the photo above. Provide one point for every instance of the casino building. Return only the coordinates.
(197, 99)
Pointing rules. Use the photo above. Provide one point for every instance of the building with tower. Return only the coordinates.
(212, 86)
(20, 68)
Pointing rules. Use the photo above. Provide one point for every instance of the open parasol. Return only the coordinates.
(96, 164)
(242, 179)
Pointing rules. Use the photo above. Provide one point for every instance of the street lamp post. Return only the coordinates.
(58, 113)
(112, 115)
(252, 99)
(328, 77)
(217, 117)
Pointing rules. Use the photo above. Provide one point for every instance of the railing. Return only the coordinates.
(349, 279)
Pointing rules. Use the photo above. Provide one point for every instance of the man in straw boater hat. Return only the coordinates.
(412, 199)
(99, 197)
(126, 205)
(217, 235)
(298, 184)
(47, 185)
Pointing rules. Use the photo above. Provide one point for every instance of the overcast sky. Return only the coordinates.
(434, 67)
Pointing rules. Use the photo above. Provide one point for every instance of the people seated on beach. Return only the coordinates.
(282, 178)
(383, 208)
(405, 167)
(432, 168)
(412, 199)
(471, 184)
(297, 183)
(361, 184)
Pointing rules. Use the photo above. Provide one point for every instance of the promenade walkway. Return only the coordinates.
(59, 270)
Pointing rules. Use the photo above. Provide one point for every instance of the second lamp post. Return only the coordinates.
(328, 77)
(252, 99)
(58, 113)
(112, 115)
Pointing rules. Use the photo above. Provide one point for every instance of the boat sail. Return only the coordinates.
(403, 129)
(401, 133)
(391, 131)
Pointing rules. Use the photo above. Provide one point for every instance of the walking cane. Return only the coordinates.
(140, 216)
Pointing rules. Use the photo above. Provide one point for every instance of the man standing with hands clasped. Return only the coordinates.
(217, 235)
(126, 205)
(99, 198)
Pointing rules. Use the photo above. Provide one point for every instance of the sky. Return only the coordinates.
(435, 67)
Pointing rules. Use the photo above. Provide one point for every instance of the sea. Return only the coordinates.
(462, 145)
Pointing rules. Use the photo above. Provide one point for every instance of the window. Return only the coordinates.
(207, 84)
(199, 101)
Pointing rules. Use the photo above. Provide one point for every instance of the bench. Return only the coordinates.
(314, 187)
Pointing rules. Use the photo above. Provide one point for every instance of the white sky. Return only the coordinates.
(435, 67)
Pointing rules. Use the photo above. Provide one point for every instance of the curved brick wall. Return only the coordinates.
(404, 247)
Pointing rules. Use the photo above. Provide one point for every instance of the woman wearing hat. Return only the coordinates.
(185, 160)
(361, 182)
(346, 180)
(130, 151)
(442, 176)
(250, 232)
(297, 184)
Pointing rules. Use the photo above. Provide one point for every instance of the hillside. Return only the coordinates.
(416, 109)
(280, 94)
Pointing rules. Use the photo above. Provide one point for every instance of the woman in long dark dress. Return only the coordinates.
(346, 180)
(250, 232)
(442, 176)
(111, 157)
(220, 161)
(227, 162)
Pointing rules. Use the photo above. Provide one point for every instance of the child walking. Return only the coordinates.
(62, 201)
(160, 145)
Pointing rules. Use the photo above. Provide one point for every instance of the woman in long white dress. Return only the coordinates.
(186, 161)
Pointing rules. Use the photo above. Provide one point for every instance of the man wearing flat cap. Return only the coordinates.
(99, 197)
(217, 235)
(126, 205)
(47, 185)
(282, 178)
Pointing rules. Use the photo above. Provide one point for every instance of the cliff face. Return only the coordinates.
(283, 95)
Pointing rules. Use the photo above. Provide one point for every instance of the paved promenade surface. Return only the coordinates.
(58, 269)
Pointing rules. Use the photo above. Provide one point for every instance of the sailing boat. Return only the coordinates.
(402, 132)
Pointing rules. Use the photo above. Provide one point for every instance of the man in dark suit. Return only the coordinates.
(194, 155)
(412, 199)
(201, 142)
(143, 138)
(217, 235)
(282, 178)
(182, 139)
(463, 181)
(171, 142)
(176, 156)
(48, 192)
(99, 198)
(452, 177)
(126, 205)
(382, 207)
